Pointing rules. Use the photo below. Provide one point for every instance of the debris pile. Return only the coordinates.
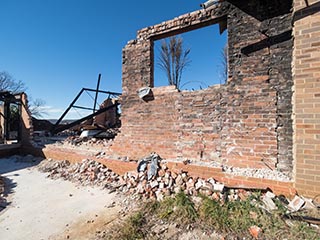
(91, 138)
(87, 172)
(149, 181)
(153, 180)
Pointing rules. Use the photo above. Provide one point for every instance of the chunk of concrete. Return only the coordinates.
(296, 203)
(268, 202)
(218, 187)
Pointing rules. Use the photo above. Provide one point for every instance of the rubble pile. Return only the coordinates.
(78, 141)
(164, 182)
(153, 180)
(87, 172)
(100, 138)
(149, 181)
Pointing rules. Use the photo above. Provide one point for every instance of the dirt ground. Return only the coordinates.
(41, 208)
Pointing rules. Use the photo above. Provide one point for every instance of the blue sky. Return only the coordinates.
(58, 47)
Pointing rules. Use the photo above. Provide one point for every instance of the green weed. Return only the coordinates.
(233, 218)
(130, 229)
(179, 209)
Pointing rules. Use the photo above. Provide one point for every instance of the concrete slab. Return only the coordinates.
(42, 208)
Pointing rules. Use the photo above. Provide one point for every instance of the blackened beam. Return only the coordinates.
(66, 111)
(101, 91)
(84, 108)
(97, 92)
(70, 125)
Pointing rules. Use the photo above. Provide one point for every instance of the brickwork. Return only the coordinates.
(248, 122)
(121, 167)
(26, 121)
(306, 71)
(244, 123)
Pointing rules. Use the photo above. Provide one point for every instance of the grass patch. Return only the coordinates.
(232, 219)
(236, 217)
(179, 209)
(131, 229)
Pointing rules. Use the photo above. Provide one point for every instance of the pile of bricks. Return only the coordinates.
(87, 172)
(168, 182)
(164, 183)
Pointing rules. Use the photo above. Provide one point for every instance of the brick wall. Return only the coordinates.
(244, 123)
(26, 121)
(194, 170)
(306, 71)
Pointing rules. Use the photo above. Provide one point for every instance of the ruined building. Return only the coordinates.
(15, 123)
(267, 115)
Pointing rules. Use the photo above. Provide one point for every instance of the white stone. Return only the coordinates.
(296, 203)
(218, 187)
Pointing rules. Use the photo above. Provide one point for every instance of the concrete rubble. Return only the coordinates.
(296, 203)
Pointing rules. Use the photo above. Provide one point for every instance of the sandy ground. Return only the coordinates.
(42, 208)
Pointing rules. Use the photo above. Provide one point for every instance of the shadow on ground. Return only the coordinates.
(8, 168)
(9, 186)
(17, 162)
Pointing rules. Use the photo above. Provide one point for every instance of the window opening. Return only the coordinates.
(207, 65)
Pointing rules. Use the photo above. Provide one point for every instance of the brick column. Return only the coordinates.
(306, 100)
(26, 121)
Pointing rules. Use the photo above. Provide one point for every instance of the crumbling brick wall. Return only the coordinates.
(26, 121)
(244, 123)
(306, 71)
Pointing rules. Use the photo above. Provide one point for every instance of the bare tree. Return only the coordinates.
(224, 64)
(173, 59)
(36, 107)
(8, 83)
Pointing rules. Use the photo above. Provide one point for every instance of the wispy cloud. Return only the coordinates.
(50, 112)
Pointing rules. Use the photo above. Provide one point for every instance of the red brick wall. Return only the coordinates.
(244, 123)
(207, 125)
(306, 71)
(26, 121)
(121, 167)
